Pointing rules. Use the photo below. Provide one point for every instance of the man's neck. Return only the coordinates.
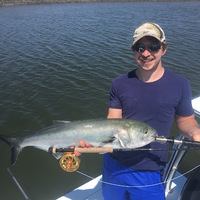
(150, 76)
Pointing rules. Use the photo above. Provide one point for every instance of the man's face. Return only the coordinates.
(148, 54)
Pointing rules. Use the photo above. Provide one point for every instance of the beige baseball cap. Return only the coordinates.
(149, 29)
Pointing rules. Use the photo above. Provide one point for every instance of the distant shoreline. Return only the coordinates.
(36, 2)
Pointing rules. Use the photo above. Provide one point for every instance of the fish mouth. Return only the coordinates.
(152, 137)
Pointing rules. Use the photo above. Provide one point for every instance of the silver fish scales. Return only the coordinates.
(115, 133)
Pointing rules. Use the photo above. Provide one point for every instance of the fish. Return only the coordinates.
(115, 133)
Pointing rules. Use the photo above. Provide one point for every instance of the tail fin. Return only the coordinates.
(15, 148)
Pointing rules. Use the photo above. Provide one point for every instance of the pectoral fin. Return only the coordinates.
(109, 140)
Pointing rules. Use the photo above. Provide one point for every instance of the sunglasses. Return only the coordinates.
(151, 47)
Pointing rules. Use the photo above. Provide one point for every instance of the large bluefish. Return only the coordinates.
(116, 133)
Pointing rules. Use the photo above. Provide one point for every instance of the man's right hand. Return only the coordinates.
(82, 144)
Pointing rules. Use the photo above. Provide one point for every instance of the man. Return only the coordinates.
(154, 95)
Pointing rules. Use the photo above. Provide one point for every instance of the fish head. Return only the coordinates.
(137, 136)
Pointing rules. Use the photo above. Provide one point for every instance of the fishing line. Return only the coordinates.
(139, 186)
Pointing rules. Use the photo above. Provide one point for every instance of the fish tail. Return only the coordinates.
(15, 148)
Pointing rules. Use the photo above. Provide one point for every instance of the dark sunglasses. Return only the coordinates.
(151, 47)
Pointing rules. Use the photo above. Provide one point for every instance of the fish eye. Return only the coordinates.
(145, 131)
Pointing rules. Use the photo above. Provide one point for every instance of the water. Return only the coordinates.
(58, 61)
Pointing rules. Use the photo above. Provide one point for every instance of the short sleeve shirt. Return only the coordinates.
(155, 103)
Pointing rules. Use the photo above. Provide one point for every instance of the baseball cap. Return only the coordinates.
(149, 29)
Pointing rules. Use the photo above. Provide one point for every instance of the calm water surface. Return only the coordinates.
(58, 61)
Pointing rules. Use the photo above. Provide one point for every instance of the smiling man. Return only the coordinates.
(154, 95)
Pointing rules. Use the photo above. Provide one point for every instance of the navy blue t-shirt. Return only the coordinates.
(155, 103)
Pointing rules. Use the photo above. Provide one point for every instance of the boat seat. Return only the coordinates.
(191, 189)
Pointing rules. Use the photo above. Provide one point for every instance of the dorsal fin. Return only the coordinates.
(56, 122)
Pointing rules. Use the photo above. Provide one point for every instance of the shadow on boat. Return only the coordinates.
(90, 191)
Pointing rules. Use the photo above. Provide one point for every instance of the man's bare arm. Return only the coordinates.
(188, 127)
(114, 113)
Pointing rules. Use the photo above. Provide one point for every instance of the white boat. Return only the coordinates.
(178, 187)
(196, 105)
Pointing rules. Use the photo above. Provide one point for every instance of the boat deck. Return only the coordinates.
(92, 190)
